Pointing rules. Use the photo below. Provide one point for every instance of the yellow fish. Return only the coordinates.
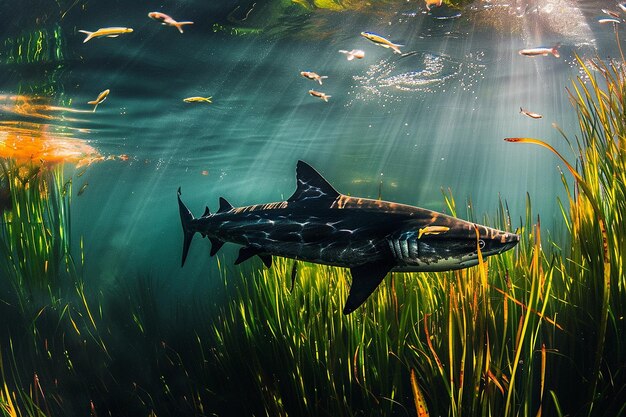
(379, 40)
(431, 230)
(113, 32)
(101, 97)
(198, 99)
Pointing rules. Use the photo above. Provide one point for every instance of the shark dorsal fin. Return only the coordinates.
(311, 186)
(224, 205)
(207, 212)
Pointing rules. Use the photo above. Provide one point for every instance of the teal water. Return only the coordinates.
(432, 119)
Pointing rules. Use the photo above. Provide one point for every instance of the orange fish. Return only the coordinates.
(167, 20)
(319, 94)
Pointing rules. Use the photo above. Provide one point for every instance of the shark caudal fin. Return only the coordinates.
(185, 218)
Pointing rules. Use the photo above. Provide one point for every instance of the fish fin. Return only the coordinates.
(216, 245)
(112, 36)
(89, 35)
(224, 205)
(207, 212)
(179, 25)
(267, 260)
(185, 218)
(365, 279)
(92, 102)
(311, 186)
(350, 57)
(248, 252)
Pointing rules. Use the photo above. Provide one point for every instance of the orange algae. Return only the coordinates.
(26, 140)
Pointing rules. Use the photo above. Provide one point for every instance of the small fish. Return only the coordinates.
(318, 94)
(541, 51)
(113, 32)
(610, 13)
(609, 20)
(198, 99)
(381, 41)
(83, 188)
(436, 3)
(101, 97)
(431, 230)
(167, 20)
(355, 53)
(313, 76)
(530, 114)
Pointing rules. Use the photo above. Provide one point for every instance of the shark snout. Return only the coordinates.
(502, 241)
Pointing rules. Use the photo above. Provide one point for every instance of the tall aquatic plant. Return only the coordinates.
(35, 257)
(595, 219)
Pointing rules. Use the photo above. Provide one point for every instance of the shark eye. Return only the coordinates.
(481, 243)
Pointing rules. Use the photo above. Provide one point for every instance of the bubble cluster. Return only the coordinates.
(419, 75)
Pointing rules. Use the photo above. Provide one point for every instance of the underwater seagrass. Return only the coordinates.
(371, 237)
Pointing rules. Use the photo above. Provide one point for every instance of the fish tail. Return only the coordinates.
(89, 35)
(326, 97)
(185, 218)
(180, 24)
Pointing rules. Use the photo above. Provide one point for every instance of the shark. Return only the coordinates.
(370, 237)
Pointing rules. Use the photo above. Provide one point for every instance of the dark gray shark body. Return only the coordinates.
(371, 237)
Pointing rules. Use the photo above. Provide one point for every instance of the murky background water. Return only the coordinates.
(433, 118)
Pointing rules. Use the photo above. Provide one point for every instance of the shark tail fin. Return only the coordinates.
(185, 218)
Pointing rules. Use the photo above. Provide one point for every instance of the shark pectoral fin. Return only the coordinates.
(248, 252)
(216, 245)
(365, 279)
(267, 260)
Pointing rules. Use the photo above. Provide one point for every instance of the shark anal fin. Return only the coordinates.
(248, 252)
(365, 279)
(224, 205)
(216, 245)
(312, 187)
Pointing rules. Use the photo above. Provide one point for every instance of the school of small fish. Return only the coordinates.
(610, 16)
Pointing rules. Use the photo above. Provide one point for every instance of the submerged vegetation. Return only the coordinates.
(535, 331)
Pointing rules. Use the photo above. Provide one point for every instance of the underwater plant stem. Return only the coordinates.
(606, 293)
